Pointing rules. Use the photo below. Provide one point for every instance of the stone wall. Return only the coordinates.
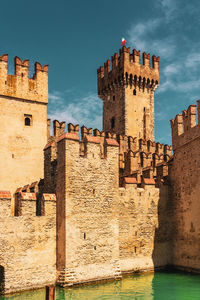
(104, 230)
(87, 196)
(184, 176)
(22, 100)
(143, 242)
(21, 146)
(28, 244)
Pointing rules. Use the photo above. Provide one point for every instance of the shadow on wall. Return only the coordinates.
(162, 252)
(2, 279)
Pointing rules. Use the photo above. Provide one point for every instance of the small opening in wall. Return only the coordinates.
(22, 74)
(134, 92)
(95, 248)
(84, 236)
(113, 98)
(93, 191)
(2, 279)
(27, 121)
(112, 123)
(13, 155)
(135, 249)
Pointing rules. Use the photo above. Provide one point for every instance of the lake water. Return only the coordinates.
(150, 286)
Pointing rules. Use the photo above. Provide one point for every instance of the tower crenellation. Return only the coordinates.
(20, 85)
(129, 63)
(127, 90)
(184, 126)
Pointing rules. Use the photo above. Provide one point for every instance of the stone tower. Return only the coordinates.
(127, 92)
(23, 123)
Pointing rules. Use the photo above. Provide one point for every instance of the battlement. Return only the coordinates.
(135, 155)
(184, 126)
(27, 203)
(89, 138)
(20, 85)
(127, 70)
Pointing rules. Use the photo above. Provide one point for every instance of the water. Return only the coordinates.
(158, 286)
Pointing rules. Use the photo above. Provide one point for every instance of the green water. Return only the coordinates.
(158, 286)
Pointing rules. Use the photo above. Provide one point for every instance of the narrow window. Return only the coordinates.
(112, 123)
(135, 250)
(113, 98)
(84, 236)
(134, 92)
(27, 120)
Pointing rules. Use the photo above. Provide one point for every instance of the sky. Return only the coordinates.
(77, 37)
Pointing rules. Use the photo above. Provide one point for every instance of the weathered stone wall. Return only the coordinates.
(140, 108)
(28, 245)
(184, 176)
(21, 146)
(87, 196)
(22, 98)
(141, 215)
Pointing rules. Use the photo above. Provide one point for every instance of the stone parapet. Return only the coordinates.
(20, 85)
(127, 70)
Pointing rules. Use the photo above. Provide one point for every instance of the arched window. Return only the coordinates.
(27, 121)
(112, 123)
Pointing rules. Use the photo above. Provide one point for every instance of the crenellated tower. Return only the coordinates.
(127, 91)
(23, 123)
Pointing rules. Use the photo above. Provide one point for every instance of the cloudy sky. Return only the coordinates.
(76, 37)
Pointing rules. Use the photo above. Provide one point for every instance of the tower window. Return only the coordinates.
(112, 123)
(134, 92)
(27, 120)
(113, 98)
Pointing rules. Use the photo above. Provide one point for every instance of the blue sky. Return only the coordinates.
(76, 37)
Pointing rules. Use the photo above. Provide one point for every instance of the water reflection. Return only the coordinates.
(32, 295)
(132, 287)
(158, 286)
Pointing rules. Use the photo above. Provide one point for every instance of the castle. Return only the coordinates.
(84, 206)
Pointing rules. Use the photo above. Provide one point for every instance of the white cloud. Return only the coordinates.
(168, 8)
(86, 110)
(171, 69)
(137, 33)
(192, 60)
(55, 96)
(144, 35)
